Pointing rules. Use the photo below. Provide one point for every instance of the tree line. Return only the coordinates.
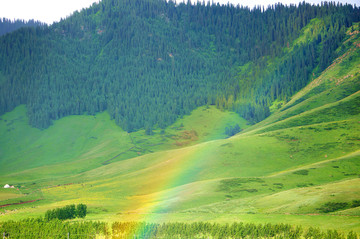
(67, 212)
(7, 25)
(147, 62)
(39, 228)
(55, 229)
(235, 230)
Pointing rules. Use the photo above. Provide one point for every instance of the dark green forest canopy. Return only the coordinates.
(150, 61)
(7, 25)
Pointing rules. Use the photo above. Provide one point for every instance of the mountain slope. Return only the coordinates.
(284, 169)
(148, 62)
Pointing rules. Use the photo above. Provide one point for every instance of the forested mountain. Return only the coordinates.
(7, 25)
(150, 61)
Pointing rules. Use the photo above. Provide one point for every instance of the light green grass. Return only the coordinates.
(90, 139)
(130, 186)
(8, 193)
(38, 159)
(203, 124)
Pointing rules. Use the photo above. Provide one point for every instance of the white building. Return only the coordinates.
(7, 186)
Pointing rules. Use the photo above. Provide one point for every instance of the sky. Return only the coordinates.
(50, 11)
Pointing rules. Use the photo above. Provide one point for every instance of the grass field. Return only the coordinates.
(281, 170)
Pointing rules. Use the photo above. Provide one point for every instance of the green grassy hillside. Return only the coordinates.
(291, 167)
(77, 144)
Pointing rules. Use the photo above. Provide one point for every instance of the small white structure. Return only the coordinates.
(7, 186)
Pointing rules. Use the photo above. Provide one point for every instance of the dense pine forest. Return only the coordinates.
(147, 62)
(7, 25)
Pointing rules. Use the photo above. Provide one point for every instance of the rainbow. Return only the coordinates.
(166, 183)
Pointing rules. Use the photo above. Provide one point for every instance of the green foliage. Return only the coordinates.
(202, 229)
(218, 231)
(333, 206)
(355, 203)
(315, 233)
(236, 184)
(81, 210)
(149, 62)
(302, 172)
(148, 131)
(232, 130)
(352, 235)
(67, 212)
(7, 25)
(39, 228)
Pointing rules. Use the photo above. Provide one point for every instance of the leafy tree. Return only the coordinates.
(67, 212)
(232, 130)
(81, 210)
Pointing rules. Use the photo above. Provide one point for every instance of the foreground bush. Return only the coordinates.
(57, 229)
